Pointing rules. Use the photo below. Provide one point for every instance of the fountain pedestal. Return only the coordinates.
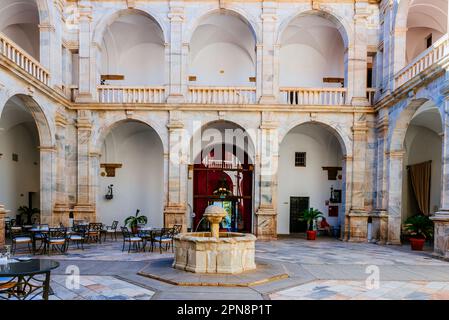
(214, 252)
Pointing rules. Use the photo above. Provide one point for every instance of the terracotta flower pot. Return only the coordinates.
(311, 235)
(417, 243)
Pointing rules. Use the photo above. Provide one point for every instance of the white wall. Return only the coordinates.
(222, 52)
(322, 149)
(139, 183)
(18, 178)
(421, 145)
(416, 41)
(133, 46)
(311, 49)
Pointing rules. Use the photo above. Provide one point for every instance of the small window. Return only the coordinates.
(300, 159)
(15, 157)
(429, 41)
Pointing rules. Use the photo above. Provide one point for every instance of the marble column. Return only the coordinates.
(177, 54)
(84, 208)
(2, 225)
(395, 172)
(266, 214)
(61, 208)
(346, 196)
(358, 56)
(85, 90)
(441, 218)
(175, 208)
(358, 216)
(388, 45)
(47, 183)
(380, 215)
(50, 55)
(266, 56)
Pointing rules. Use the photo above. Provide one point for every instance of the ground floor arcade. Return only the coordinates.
(264, 167)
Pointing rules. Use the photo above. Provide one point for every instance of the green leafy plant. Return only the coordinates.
(133, 221)
(310, 216)
(419, 226)
(24, 211)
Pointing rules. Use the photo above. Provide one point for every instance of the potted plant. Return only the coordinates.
(27, 213)
(421, 228)
(310, 216)
(133, 221)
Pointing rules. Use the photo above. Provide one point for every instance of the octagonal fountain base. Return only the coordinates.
(230, 253)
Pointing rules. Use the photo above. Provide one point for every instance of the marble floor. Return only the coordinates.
(322, 269)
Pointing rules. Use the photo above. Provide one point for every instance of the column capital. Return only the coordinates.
(47, 148)
(395, 154)
(60, 120)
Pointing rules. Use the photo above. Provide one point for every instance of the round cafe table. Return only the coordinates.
(25, 280)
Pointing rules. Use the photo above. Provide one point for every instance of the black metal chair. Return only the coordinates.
(78, 235)
(131, 239)
(94, 232)
(39, 236)
(112, 230)
(164, 236)
(20, 237)
(56, 238)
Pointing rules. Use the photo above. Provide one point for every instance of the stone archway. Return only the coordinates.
(397, 153)
(312, 160)
(29, 176)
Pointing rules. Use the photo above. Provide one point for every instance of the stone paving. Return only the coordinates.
(322, 269)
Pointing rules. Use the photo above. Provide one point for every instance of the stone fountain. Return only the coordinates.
(214, 251)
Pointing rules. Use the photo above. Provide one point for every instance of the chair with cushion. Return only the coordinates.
(177, 228)
(7, 285)
(40, 236)
(133, 241)
(77, 235)
(112, 230)
(164, 236)
(20, 237)
(94, 232)
(56, 238)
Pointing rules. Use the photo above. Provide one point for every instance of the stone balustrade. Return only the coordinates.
(222, 95)
(18, 56)
(426, 59)
(313, 96)
(130, 94)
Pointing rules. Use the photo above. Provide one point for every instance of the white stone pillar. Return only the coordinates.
(441, 218)
(61, 208)
(175, 208)
(84, 208)
(388, 45)
(268, 149)
(358, 216)
(85, 91)
(47, 182)
(177, 53)
(358, 56)
(268, 90)
(395, 172)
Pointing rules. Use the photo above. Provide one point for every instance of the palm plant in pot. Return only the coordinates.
(27, 214)
(134, 221)
(421, 228)
(310, 216)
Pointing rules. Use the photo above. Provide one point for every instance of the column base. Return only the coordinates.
(175, 214)
(60, 214)
(268, 99)
(380, 226)
(266, 223)
(441, 234)
(175, 98)
(84, 212)
(360, 102)
(84, 98)
(358, 225)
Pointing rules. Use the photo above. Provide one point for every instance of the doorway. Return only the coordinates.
(298, 205)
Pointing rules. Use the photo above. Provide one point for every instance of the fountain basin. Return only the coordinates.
(200, 252)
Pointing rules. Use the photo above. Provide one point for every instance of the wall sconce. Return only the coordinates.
(109, 195)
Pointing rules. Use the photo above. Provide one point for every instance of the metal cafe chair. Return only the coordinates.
(56, 238)
(132, 240)
(112, 230)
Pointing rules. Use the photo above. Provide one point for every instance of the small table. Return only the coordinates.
(22, 281)
(34, 232)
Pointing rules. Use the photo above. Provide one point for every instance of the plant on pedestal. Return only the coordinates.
(310, 216)
(421, 228)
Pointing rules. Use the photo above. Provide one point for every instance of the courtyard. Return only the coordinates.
(322, 269)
